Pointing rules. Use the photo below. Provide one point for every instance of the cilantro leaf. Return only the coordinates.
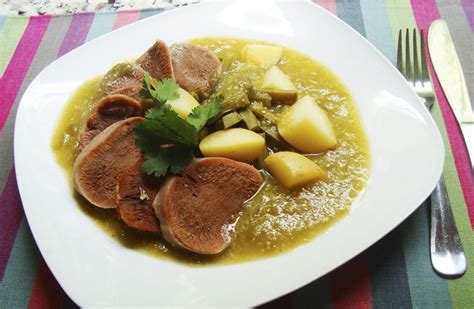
(173, 159)
(202, 113)
(148, 89)
(150, 135)
(168, 141)
(159, 91)
(167, 89)
(167, 123)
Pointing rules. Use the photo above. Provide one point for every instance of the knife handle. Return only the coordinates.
(447, 252)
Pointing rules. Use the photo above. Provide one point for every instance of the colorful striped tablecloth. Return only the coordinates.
(394, 273)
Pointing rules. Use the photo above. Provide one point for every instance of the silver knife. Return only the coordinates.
(449, 72)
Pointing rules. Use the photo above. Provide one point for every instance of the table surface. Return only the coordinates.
(57, 7)
(395, 272)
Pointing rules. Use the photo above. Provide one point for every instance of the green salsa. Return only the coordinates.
(276, 220)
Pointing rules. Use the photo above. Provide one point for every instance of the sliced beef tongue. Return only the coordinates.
(196, 68)
(108, 110)
(98, 166)
(135, 195)
(198, 209)
(157, 61)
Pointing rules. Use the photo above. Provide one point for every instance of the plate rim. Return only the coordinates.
(172, 11)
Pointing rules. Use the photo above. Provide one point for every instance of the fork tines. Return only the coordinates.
(411, 69)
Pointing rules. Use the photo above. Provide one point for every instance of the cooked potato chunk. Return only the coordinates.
(261, 54)
(238, 144)
(292, 169)
(306, 127)
(274, 78)
(184, 104)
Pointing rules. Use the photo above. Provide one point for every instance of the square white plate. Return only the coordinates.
(406, 148)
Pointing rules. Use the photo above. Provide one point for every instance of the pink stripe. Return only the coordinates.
(77, 32)
(19, 64)
(46, 292)
(426, 12)
(329, 5)
(125, 18)
(11, 213)
(350, 284)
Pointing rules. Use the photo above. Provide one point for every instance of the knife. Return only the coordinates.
(449, 72)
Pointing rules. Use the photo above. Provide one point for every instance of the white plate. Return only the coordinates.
(95, 270)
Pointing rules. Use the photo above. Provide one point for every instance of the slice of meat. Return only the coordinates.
(130, 91)
(99, 164)
(122, 75)
(135, 195)
(199, 208)
(109, 109)
(157, 61)
(196, 68)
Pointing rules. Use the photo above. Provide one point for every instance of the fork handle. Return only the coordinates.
(447, 252)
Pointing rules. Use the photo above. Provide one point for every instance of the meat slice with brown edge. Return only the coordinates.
(196, 68)
(98, 166)
(135, 195)
(130, 91)
(122, 75)
(108, 110)
(157, 61)
(199, 208)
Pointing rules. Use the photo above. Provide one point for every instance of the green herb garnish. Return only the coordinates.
(159, 91)
(167, 141)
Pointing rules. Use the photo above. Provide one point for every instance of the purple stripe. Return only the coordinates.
(468, 6)
(77, 32)
(11, 213)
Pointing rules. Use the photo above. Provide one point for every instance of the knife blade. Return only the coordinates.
(449, 72)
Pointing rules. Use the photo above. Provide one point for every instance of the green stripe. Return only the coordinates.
(427, 289)
(2, 21)
(461, 289)
(426, 286)
(21, 270)
(317, 294)
(400, 16)
(9, 37)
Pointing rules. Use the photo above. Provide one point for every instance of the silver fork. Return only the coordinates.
(447, 252)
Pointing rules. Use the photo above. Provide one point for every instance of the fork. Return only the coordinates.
(447, 252)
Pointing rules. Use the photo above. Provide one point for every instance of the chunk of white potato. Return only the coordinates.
(306, 127)
(258, 54)
(274, 78)
(237, 144)
(292, 169)
(184, 104)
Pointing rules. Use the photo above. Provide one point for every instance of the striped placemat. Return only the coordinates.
(394, 273)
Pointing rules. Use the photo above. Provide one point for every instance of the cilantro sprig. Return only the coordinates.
(168, 141)
(159, 91)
